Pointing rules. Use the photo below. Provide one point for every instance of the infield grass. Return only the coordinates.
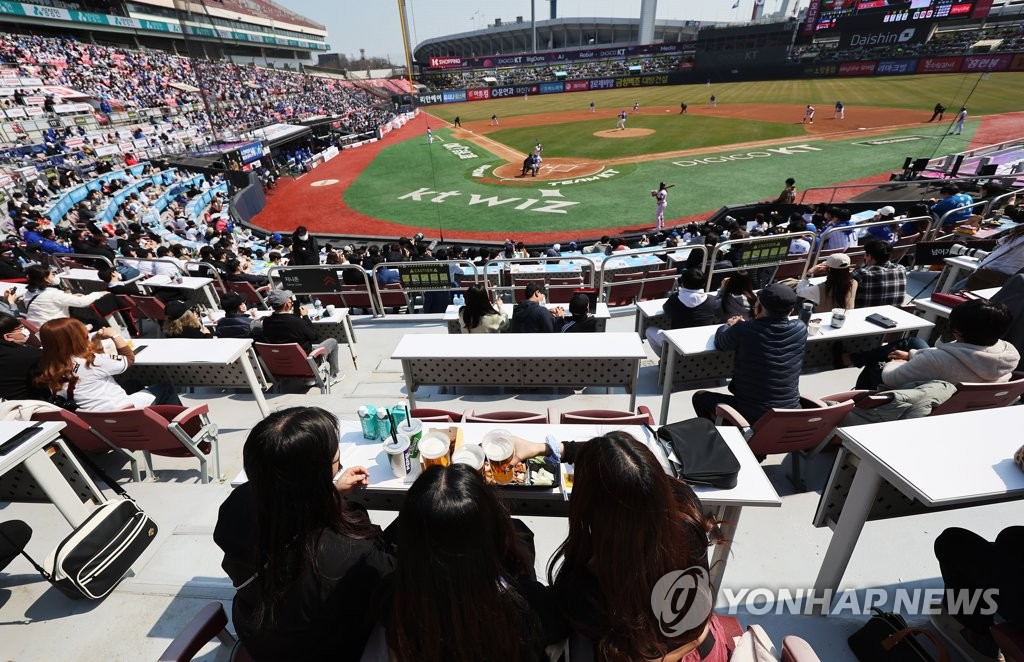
(998, 93)
(671, 132)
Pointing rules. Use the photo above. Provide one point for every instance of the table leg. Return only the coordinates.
(211, 296)
(56, 487)
(669, 354)
(844, 537)
(254, 384)
(351, 337)
(730, 521)
(633, 379)
(407, 370)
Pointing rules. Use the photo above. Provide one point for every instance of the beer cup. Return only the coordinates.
(499, 449)
(434, 450)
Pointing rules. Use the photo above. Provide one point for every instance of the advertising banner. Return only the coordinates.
(492, 61)
(454, 96)
(502, 92)
(445, 62)
(552, 88)
(889, 67)
(577, 85)
(1017, 63)
(987, 62)
(478, 95)
(865, 68)
(939, 65)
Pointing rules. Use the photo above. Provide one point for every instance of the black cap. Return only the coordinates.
(778, 299)
(231, 301)
(175, 309)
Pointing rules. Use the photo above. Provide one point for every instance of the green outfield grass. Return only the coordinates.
(672, 132)
(999, 93)
(450, 194)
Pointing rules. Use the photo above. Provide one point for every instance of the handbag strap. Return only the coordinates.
(895, 638)
(104, 476)
(22, 551)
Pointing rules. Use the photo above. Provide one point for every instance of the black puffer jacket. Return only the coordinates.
(769, 358)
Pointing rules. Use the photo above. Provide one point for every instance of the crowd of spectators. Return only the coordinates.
(240, 97)
(456, 80)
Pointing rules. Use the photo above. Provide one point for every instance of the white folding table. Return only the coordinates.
(196, 284)
(927, 460)
(227, 362)
(933, 312)
(337, 325)
(690, 355)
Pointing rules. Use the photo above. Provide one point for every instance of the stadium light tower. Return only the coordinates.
(403, 16)
(648, 10)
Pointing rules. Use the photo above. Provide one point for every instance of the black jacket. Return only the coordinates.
(20, 364)
(531, 317)
(769, 359)
(304, 252)
(284, 328)
(234, 325)
(586, 324)
(683, 316)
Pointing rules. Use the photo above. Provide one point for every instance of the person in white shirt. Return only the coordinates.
(45, 300)
(76, 367)
(165, 268)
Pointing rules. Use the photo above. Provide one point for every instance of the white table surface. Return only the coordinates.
(531, 268)
(519, 345)
(927, 456)
(187, 282)
(81, 274)
(451, 313)
(337, 318)
(942, 310)
(701, 339)
(10, 429)
(752, 486)
(183, 351)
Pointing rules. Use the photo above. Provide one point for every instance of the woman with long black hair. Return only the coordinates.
(465, 589)
(304, 561)
(479, 315)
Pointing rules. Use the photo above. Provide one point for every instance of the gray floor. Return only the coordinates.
(773, 548)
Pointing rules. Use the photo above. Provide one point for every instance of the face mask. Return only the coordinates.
(55, 280)
(303, 237)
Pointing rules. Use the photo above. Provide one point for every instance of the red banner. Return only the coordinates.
(1017, 64)
(939, 65)
(478, 95)
(865, 68)
(577, 85)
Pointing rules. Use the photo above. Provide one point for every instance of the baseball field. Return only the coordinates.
(467, 182)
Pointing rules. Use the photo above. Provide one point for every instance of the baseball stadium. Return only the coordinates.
(683, 334)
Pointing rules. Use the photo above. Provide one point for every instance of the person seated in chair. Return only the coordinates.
(235, 273)
(690, 306)
(531, 315)
(182, 322)
(20, 361)
(580, 319)
(977, 354)
(237, 322)
(286, 325)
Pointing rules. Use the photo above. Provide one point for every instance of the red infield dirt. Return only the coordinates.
(315, 199)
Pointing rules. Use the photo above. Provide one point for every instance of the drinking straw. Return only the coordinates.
(408, 418)
(394, 434)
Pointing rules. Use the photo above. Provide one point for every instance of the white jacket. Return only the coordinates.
(52, 303)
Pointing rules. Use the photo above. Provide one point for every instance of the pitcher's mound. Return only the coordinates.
(623, 133)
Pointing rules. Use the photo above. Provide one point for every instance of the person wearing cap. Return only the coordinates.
(531, 315)
(237, 322)
(286, 325)
(691, 306)
(661, 197)
(883, 232)
(880, 281)
(554, 251)
(769, 358)
(580, 320)
(182, 322)
(952, 199)
(839, 289)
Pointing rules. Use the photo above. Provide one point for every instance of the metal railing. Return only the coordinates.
(801, 260)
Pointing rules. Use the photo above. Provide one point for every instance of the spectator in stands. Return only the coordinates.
(480, 315)
(304, 249)
(553, 251)
(798, 245)
(75, 367)
(531, 315)
(183, 322)
(838, 239)
(626, 512)
(43, 239)
(736, 296)
(769, 358)
(286, 325)
(952, 199)
(969, 562)
(601, 247)
(880, 282)
(459, 556)
(883, 232)
(580, 319)
(237, 322)
(1005, 260)
(20, 361)
(690, 306)
(234, 273)
(788, 195)
(976, 354)
(45, 300)
(304, 559)
(839, 289)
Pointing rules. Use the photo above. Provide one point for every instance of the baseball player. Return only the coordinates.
(538, 148)
(714, 101)
(458, 122)
(961, 117)
(621, 124)
(809, 115)
(592, 107)
(636, 107)
(494, 120)
(682, 108)
(430, 136)
(840, 111)
(661, 196)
